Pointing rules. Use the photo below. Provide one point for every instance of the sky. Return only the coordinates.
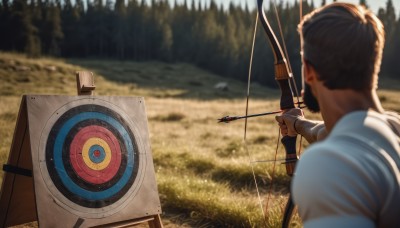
(374, 5)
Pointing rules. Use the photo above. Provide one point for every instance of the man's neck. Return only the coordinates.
(337, 103)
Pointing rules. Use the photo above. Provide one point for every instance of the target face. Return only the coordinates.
(91, 162)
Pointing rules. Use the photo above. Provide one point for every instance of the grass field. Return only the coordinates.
(202, 168)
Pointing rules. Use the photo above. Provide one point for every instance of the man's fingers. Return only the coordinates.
(279, 118)
(282, 125)
(287, 119)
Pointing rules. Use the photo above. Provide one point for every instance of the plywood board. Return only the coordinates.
(90, 158)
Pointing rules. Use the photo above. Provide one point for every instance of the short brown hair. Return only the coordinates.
(344, 43)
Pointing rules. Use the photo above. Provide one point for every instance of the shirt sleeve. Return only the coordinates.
(331, 189)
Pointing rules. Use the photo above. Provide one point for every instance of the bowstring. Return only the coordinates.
(273, 173)
(245, 121)
(301, 19)
(302, 78)
(292, 83)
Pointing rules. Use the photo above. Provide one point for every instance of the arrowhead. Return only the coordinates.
(224, 119)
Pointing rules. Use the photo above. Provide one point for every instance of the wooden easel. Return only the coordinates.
(18, 199)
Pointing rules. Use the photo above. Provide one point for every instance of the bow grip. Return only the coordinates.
(289, 142)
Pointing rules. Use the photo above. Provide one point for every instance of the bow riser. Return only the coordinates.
(282, 76)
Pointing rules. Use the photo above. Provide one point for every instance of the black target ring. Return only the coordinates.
(72, 184)
(67, 160)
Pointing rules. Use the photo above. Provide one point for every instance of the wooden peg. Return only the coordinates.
(85, 83)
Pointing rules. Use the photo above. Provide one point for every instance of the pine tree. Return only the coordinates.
(73, 20)
(166, 43)
(6, 38)
(388, 18)
(100, 27)
(120, 28)
(55, 33)
(184, 40)
(135, 21)
(393, 68)
(24, 32)
(364, 3)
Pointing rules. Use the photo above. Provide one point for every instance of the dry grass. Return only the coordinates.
(203, 168)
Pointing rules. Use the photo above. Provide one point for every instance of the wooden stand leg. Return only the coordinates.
(156, 222)
(153, 221)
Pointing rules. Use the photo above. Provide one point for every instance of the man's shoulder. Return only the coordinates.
(358, 121)
(361, 139)
(367, 126)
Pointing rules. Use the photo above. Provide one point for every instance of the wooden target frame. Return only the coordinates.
(80, 161)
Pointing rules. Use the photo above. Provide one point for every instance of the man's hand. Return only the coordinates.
(287, 121)
(292, 122)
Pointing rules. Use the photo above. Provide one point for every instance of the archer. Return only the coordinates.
(349, 176)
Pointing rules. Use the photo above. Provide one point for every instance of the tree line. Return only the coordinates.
(210, 37)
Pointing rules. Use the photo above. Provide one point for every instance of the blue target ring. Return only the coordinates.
(58, 159)
(94, 157)
(64, 176)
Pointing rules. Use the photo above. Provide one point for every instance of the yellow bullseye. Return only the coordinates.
(86, 157)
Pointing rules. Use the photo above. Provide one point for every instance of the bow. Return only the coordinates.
(284, 77)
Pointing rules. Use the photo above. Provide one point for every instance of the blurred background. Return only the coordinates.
(213, 35)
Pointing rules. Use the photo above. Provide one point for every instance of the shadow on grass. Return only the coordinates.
(177, 80)
(236, 176)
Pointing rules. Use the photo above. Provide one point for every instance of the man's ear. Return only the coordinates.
(309, 72)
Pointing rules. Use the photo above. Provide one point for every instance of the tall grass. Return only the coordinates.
(203, 169)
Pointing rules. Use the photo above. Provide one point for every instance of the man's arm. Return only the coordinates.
(311, 130)
(293, 122)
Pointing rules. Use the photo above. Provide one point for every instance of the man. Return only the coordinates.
(350, 176)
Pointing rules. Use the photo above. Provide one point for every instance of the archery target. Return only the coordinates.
(91, 161)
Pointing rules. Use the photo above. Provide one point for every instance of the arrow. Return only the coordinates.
(227, 119)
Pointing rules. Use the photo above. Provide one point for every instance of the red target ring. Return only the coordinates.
(92, 157)
(91, 173)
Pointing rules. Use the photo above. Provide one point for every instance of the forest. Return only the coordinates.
(209, 36)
